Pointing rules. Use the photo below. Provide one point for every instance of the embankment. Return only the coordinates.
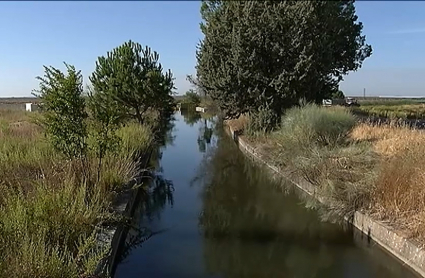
(406, 250)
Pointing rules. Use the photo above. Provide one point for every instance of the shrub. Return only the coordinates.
(316, 125)
(262, 121)
(192, 98)
(63, 108)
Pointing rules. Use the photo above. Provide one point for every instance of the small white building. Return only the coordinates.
(30, 107)
(200, 109)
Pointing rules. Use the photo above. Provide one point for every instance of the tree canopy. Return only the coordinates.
(192, 97)
(267, 55)
(133, 76)
(64, 110)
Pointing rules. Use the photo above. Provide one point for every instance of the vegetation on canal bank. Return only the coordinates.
(61, 168)
(374, 169)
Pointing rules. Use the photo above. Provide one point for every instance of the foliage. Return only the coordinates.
(313, 142)
(390, 101)
(262, 121)
(338, 95)
(48, 213)
(52, 208)
(133, 76)
(268, 55)
(63, 107)
(106, 119)
(192, 98)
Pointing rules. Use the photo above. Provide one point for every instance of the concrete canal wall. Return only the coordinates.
(407, 251)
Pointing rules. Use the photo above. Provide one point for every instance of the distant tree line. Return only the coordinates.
(262, 57)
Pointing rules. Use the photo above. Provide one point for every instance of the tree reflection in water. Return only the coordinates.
(205, 128)
(157, 195)
(190, 117)
(251, 229)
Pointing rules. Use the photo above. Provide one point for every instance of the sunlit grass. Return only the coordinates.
(48, 211)
(405, 111)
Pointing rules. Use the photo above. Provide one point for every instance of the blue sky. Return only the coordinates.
(34, 34)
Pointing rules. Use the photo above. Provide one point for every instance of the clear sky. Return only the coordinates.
(33, 34)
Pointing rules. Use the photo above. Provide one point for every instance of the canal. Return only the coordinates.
(212, 213)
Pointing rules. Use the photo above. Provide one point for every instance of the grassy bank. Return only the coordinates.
(48, 212)
(378, 170)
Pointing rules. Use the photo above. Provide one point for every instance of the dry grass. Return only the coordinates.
(238, 124)
(404, 111)
(399, 193)
(12, 116)
(377, 169)
(389, 140)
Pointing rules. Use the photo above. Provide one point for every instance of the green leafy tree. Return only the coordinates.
(192, 97)
(63, 107)
(106, 115)
(133, 76)
(266, 56)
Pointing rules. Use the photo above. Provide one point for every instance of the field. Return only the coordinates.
(411, 109)
(49, 214)
(376, 169)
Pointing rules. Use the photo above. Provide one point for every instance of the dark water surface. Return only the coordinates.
(212, 213)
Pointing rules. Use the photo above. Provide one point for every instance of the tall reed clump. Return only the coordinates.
(314, 142)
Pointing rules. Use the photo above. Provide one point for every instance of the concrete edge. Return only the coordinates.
(407, 251)
(112, 237)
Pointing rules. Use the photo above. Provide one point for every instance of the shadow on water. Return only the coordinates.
(234, 221)
(157, 195)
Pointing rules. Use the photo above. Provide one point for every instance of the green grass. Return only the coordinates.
(405, 111)
(48, 212)
(390, 102)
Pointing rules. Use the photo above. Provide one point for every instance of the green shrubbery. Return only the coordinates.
(276, 53)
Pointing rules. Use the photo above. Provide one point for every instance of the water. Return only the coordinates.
(215, 214)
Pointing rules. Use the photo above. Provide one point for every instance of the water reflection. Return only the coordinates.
(205, 128)
(227, 218)
(190, 117)
(157, 195)
(251, 228)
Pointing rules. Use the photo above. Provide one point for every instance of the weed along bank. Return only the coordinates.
(348, 174)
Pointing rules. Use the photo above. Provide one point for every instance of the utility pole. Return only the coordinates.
(364, 92)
